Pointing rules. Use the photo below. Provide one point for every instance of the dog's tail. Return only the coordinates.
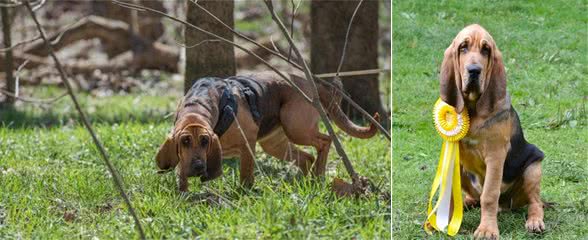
(331, 99)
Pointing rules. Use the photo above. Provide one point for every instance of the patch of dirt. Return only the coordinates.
(70, 215)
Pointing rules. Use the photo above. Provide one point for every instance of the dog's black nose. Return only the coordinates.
(198, 165)
(474, 70)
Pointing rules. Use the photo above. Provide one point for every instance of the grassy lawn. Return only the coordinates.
(54, 185)
(544, 45)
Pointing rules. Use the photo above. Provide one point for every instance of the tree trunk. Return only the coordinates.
(10, 81)
(329, 21)
(209, 59)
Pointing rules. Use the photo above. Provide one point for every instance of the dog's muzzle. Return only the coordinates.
(198, 167)
(473, 80)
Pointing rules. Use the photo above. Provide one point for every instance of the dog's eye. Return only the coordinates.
(204, 141)
(186, 140)
(463, 48)
(486, 50)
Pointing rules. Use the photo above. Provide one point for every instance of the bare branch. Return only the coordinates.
(196, 44)
(273, 43)
(294, 8)
(17, 79)
(34, 100)
(115, 176)
(20, 44)
(351, 73)
(347, 37)
(67, 28)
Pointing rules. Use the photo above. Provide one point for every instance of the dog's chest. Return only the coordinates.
(473, 152)
(471, 156)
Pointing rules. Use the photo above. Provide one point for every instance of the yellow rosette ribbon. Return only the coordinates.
(447, 212)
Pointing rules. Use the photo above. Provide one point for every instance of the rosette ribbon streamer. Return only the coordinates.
(446, 213)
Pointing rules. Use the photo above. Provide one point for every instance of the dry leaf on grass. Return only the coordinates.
(345, 189)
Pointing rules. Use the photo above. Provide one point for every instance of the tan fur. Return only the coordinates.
(484, 149)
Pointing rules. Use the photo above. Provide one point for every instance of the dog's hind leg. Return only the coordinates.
(531, 187)
(277, 145)
(472, 196)
(322, 143)
(300, 122)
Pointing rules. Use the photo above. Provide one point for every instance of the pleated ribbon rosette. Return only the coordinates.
(445, 211)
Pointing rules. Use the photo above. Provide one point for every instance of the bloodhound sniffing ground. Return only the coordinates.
(226, 117)
(500, 169)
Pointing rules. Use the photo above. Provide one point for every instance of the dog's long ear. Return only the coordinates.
(450, 79)
(167, 157)
(214, 160)
(495, 89)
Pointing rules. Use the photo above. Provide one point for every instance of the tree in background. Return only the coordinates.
(329, 21)
(208, 58)
(10, 81)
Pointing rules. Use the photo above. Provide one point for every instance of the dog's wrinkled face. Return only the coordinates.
(193, 149)
(474, 46)
(472, 73)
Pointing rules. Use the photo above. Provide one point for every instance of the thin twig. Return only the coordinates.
(67, 28)
(273, 43)
(347, 37)
(115, 176)
(317, 104)
(20, 43)
(352, 73)
(17, 79)
(294, 8)
(197, 44)
(34, 100)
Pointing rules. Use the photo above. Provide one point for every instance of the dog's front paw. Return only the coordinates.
(535, 225)
(486, 231)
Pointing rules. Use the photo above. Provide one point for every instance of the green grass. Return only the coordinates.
(544, 45)
(53, 184)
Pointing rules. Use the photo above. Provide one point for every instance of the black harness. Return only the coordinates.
(228, 106)
(227, 110)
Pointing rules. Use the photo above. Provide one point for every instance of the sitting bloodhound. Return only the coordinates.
(500, 169)
(226, 117)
